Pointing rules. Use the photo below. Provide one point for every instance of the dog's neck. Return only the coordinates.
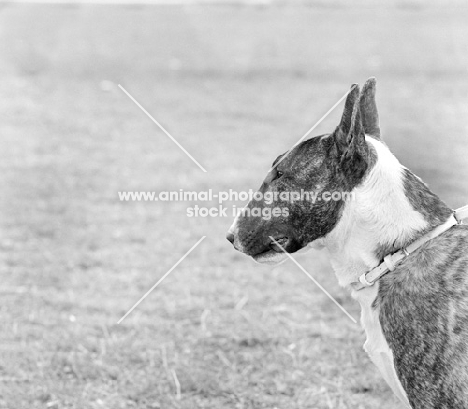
(384, 216)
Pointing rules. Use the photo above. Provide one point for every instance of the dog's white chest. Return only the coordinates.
(376, 345)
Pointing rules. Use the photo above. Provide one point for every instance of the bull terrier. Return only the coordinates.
(399, 249)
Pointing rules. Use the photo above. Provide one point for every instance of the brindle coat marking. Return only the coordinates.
(416, 317)
(424, 317)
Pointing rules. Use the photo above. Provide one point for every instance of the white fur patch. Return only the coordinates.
(380, 215)
(376, 345)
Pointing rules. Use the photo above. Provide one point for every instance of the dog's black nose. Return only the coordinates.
(230, 237)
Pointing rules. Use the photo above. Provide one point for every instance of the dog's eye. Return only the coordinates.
(278, 174)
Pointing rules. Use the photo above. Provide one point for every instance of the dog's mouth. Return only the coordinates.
(275, 253)
(279, 244)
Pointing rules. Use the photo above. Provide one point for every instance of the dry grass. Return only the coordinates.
(236, 86)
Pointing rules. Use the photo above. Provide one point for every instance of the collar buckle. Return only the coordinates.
(363, 280)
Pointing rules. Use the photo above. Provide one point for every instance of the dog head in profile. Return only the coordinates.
(303, 195)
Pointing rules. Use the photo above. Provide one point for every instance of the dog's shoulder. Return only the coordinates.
(423, 310)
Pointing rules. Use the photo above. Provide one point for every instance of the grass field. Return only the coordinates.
(235, 86)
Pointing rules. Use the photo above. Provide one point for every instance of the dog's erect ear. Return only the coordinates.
(357, 135)
(348, 132)
(350, 139)
(369, 113)
(352, 99)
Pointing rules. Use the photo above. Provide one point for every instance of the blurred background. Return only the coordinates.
(236, 83)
